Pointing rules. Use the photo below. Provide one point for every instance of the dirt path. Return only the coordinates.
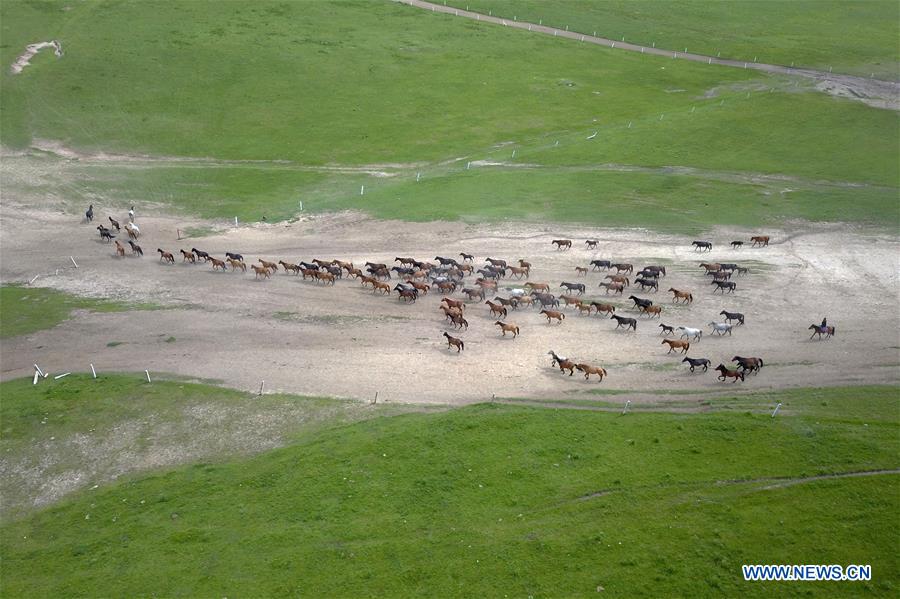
(346, 342)
(874, 92)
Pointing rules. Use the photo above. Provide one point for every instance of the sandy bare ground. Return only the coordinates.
(346, 342)
(874, 92)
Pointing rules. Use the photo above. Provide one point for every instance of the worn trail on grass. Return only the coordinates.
(874, 92)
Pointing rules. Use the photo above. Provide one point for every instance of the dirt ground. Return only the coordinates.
(346, 342)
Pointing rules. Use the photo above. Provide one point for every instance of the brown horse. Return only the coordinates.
(409, 296)
(260, 270)
(165, 256)
(382, 287)
(588, 370)
(449, 312)
(537, 286)
(420, 287)
(551, 314)
(820, 330)
(615, 287)
(726, 373)
(651, 310)
(485, 284)
(563, 363)
(591, 243)
(269, 265)
(623, 267)
(496, 308)
(236, 264)
(618, 279)
(711, 266)
(120, 250)
(562, 243)
(364, 280)
(569, 300)
(524, 264)
(454, 342)
(326, 278)
(216, 263)
(601, 307)
(508, 327)
(674, 344)
(683, 295)
(526, 300)
(453, 303)
(473, 293)
(581, 271)
(459, 321)
(762, 240)
(519, 272)
(446, 286)
(584, 309)
(289, 267)
(186, 256)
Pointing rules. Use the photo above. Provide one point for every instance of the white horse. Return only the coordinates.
(688, 332)
(720, 328)
(516, 292)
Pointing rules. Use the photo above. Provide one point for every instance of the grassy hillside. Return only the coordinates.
(856, 37)
(491, 500)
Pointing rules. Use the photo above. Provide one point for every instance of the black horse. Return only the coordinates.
(200, 254)
(105, 233)
(729, 266)
(723, 285)
(402, 270)
(496, 262)
(135, 248)
(598, 264)
(666, 329)
(737, 244)
(659, 270)
(446, 261)
(89, 215)
(647, 284)
(628, 323)
(488, 273)
(697, 362)
(579, 287)
(638, 302)
(547, 299)
(234, 256)
(467, 257)
(729, 316)
(702, 245)
(748, 364)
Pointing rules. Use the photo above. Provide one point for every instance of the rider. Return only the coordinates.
(824, 323)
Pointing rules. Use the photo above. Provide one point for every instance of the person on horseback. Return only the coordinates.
(824, 323)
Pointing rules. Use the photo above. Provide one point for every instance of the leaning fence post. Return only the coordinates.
(147, 372)
(626, 406)
(94, 372)
(776, 409)
(73, 261)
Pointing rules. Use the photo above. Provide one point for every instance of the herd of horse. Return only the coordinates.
(449, 275)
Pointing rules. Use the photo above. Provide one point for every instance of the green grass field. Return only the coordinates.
(857, 37)
(398, 86)
(485, 500)
(25, 310)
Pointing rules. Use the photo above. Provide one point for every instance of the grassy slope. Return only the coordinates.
(24, 310)
(385, 508)
(857, 37)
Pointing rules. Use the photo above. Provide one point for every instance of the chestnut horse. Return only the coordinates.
(562, 243)
(581, 271)
(588, 370)
(217, 263)
(165, 256)
(454, 342)
(601, 307)
(120, 250)
(725, 373)
(762, 240)
(651, 310)
(537, 286)
(674, 344)
(820, 330)
(551, 314)
(235, 264)
(496, 308)
(563, 363)
(260, 270)
(185, 256)
(684, 295)
(508, 328)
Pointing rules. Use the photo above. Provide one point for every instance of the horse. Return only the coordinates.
(598, 264)
(695, 362)
(120, 250)
(581, 271)
(105, 233)
(446, 261)
(234, 256)
(200, 254)
(133, 231)
(640, 302)
(689, 333)
(651, 310)
(748, 364)
(459, 321)
(260, 270)
(628, 323)
(509, 303)
(720, 328)
(618, 279)
(647, 283)
(186, 256)
(420, 287)
(729, 316)
(382, 287)
(569, 300)
(820, 330)
(489, 273)
(551, 314)
(454, 342)
(547, 299)
(702, 245)
(165, 256)
(723, 285)
(725, 373)
(591, 243)
(496, 262)
(269, 265)
(325, 277)
(236, 264)
(736, 245)
(216, 263)
(742, 270)
(579, 287)
(659, 270)
(588, 370)
(89, 214)
(508, 327)
(114, 223)
(496, 308)
(452, 303)
(408, 261)
(601, 307)
(666, 329)
(310, 273)
(711, 266)
(624, 267)
(761, 240)
(467, 257)
(683, 295)
(520, 272)
(563, 363)
(537, 286)
(348, 266)
(446, 286)
(409, 296)
(674, 344)
(288, 267)
(584, 308)
(562, 243)
(524, 264)
(615, 287)
(135, 248)
(474, 293)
